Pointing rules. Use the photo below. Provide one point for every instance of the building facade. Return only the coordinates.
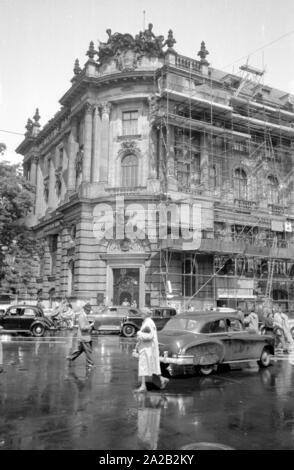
(148, 149)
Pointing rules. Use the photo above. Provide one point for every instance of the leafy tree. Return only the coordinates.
(2, 148)
(17, 244)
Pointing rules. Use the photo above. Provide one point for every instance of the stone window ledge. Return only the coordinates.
(121, 138)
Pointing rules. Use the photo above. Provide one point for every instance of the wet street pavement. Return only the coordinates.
(45, 404)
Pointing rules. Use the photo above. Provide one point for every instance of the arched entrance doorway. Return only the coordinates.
(126, 285)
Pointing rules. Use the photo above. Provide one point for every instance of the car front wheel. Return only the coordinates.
(38, 330)
(265, 358)
(165, 371)
(206, 370)
(128, 331)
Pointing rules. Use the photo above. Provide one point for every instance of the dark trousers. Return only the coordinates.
(86, 347)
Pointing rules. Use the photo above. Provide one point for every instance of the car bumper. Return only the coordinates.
(179, 360)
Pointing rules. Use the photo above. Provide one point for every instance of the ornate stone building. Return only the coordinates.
(144, 128)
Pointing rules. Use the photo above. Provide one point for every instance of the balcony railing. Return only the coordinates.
(187, 63)
(276, 208)
(245, 204)
(126, 190)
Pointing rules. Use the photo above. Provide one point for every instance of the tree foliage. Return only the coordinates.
(17, 244)
(2, 148)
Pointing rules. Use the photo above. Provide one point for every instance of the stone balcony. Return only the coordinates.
(245, 204)
(121, 190)
(277, 209)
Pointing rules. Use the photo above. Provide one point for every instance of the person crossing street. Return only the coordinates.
(84, 337)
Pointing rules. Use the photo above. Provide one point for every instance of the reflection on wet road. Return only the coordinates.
(45, 404)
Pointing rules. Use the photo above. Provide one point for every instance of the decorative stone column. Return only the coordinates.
(72, 151)
(88, 143)
(40, 200)
(153, 183)
(204, 161)
(103, 166)
(51, 198)
(96, 154)
(33, 175)
(170, 159)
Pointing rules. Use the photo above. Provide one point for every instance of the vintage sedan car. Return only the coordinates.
(132, 323)
(110, 318)
(206, 340)
(23, 318)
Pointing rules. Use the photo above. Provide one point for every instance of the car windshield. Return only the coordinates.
(182, 324)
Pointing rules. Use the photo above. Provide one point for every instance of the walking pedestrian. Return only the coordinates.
(280, 339)
(240, 315)
(148, 351)
(84, 337)
(251, 321)
(287, 330)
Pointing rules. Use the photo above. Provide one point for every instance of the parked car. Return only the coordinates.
(23, 318)
(132, 323)
(110, 318)
(205, 340)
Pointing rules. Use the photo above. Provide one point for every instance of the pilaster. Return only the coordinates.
(170, 159)
(103, 166)
(96, 154)
(72, 151)
(88, 143)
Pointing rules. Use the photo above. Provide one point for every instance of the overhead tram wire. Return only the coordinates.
(259, 49)
(11, 132)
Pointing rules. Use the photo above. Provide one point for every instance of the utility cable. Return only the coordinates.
(259, 49)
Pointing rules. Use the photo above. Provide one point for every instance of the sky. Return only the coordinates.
(40, 40)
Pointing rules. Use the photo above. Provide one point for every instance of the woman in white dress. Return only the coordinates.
(148, 351)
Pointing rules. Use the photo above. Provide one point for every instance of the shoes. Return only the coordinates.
(164, 383)
(140, 390)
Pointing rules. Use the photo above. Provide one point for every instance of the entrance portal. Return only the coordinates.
(126, 285)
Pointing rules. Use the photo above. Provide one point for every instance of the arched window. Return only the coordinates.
(240, 184)
(129, 166)
(273, 189)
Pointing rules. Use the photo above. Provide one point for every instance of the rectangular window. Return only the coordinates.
(130, 123)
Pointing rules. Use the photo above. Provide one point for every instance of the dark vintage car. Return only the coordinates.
(23, 318)
(206, 340)
(110, 318)
(132, 323)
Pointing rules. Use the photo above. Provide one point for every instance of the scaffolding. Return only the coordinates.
(224, 139)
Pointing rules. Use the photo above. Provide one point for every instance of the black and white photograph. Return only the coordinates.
(146, 228)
